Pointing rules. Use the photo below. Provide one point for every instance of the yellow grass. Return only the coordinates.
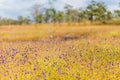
(36, 32)
(59, 52)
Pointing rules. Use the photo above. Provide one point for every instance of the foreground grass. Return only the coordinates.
(74, 53)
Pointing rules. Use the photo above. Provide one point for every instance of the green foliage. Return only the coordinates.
(7, 21)
(117, 13)
(59, 17)
(96, 11)
(38, 18)
(22, 20)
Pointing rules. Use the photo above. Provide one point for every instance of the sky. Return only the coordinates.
(15, 8)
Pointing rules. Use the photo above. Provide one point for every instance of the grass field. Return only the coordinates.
(49, 52)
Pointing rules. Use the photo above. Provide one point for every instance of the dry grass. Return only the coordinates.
(47, 52)
(36, 32)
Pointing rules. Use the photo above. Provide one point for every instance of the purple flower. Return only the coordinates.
(34, 69)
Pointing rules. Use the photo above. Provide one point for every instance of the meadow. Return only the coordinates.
(60, 52)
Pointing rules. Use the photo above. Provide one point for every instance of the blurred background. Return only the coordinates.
(59, 11)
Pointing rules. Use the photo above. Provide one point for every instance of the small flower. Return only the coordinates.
(35, 69)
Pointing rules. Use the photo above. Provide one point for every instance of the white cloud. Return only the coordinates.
(14, 8)
(113, 7)
(76, 3)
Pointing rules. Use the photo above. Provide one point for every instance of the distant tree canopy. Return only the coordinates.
(117, 13)
(94, 11)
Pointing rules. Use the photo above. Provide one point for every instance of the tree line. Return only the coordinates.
(94, 11)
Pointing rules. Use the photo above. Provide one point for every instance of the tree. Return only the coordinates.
(68, 12)
(7, 21)
(39, 18)
(22, 20)
(96, 11)
(109, 15)
(117, 13)
(37, 11)
(82, 15)
(59, 16)
(50, 15)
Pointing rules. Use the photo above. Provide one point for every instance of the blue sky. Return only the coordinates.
(14, 8)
